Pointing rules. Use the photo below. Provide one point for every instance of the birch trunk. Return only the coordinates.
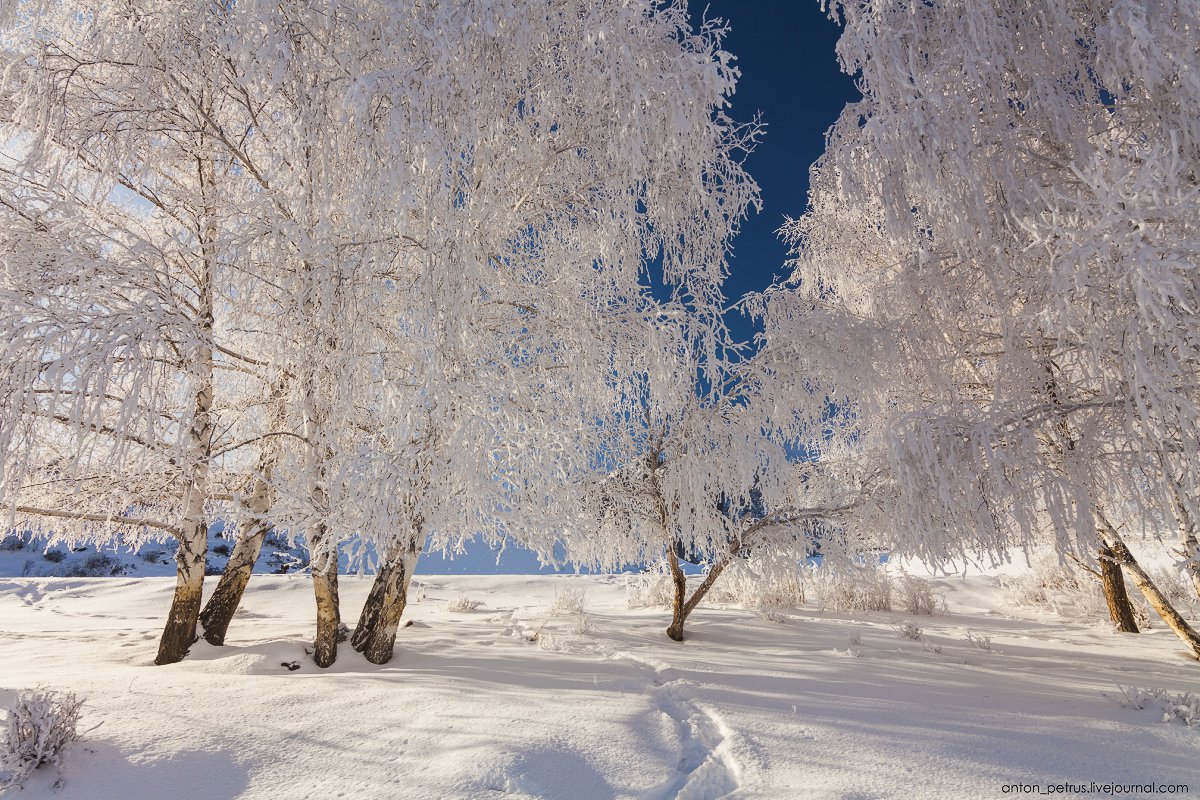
(325, 590)
(219, 611)
(1145, 584)
(683, 604)
(1119, 607)
(180, 631)
(375, 635)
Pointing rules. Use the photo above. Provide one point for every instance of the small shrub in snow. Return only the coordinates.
(417, 592)
(855, 638)
(568, 600)
(582, 623)
(152, 556)
(770, 615)
(980, 642)
(916, 595)
(1181, 707)
(1175, 584)
(906, 630)
(54, 556)
(39, 728)
(650, 588)
(553, 644)
(12, 543)
(851, 588)
(1056, 587)
(221, 550)
(761, 581)
(97, 565)
(463, 603)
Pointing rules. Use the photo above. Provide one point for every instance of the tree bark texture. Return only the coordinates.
(219, 610)
(325, 589)
(1119, 607)
(684, 605)
(180, 630)
(375, 636)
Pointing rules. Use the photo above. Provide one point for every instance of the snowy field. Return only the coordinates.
(794, 703)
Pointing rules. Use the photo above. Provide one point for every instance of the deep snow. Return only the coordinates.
(469, 707)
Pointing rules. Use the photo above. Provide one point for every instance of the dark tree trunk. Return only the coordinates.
(375, 636)
(381, 642)
(219, 610)
(684, 605)
(1119, 607)
(679, 604)
(256, 508)
(372, 609)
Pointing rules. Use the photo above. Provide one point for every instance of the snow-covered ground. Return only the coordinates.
(798, 703)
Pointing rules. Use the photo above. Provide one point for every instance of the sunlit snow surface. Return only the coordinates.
(470, 708)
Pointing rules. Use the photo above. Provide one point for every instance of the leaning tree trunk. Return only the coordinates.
(1119, 607)
(223, 604)
(684, 605)
(1145, 584)
(219, 610)
(379, 624)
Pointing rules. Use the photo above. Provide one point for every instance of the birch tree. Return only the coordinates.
(380, 246)
(706, 460)
(560, 150)
(119, 284)
(999, 259)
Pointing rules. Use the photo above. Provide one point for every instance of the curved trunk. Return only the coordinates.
(1119, 607)
(678, 614)
(684, 605)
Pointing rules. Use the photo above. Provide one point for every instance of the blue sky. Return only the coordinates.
(785, 50)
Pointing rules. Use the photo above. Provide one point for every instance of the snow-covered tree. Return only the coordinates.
(705, 465)
(404, 223)
(562, 149)
(997, 272)
(118, 285)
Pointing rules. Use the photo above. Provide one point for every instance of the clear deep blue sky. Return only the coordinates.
(790, 75)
